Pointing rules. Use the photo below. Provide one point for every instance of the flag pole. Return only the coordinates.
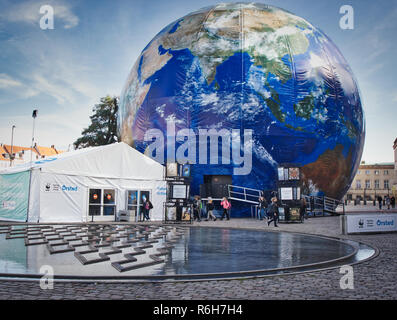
(34, 115)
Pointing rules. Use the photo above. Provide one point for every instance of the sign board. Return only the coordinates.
(361, 223)
(286, 194)
(179, 191)
(14, 193)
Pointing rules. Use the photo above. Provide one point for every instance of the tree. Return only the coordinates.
(103, 127)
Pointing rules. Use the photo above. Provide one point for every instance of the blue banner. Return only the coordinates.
(14, 194)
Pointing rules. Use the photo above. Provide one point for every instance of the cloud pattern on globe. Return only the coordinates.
(252, 66)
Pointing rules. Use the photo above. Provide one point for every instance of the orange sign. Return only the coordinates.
(95, 196)
(109, 196)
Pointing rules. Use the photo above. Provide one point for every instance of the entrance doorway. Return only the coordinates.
(215, 186)
(135, 200)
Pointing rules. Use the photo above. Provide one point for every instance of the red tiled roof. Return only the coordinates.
(2, 150)
(45, 151)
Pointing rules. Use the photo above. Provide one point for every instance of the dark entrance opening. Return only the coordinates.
(215, 186)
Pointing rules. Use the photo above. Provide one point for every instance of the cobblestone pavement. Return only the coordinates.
(374, 279)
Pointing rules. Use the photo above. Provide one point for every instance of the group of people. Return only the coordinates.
(198, 209)
(388, 201)
(270, 211)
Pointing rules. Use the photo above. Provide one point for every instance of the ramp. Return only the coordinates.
(243, 194)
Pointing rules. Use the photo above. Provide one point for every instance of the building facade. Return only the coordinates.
(373, 180)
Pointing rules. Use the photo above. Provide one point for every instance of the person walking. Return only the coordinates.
(393, 202)
(262, 206)
(226, 207)
(273, 212)
(210, 209)
(388, 202)
(302, 209)
(147, 206)
(197, 208)
(380, 202)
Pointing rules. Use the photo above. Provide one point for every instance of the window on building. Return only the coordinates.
(367, 172)
(377, 184)
(367, 184)
(359, 172)
(102, 202)
(358, 184)
(386, 172)
(386, 185)
(377, 172)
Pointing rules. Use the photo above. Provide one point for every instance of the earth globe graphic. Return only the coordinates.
(252, 68)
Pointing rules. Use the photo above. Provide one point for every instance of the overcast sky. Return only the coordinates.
(63, 72)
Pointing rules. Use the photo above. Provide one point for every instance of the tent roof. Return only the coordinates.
(117, 160)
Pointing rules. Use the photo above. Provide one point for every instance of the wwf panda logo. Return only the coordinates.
(48, 187)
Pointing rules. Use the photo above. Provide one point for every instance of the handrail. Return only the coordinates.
(246, 196)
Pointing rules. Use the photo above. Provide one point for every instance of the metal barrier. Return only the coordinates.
(323, 205)
(244, 194)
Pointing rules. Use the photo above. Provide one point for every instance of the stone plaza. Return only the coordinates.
(373, 279)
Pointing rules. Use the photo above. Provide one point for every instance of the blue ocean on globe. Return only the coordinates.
(251, 66)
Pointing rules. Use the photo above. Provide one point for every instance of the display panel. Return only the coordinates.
(293, 173)
(286, 194)
(179, 191)
(172, 169)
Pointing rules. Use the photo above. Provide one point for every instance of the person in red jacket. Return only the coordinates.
(226, 205)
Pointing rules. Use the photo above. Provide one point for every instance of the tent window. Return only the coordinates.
(109, 206)
(95, 196)
(102, 202)
(95, 202)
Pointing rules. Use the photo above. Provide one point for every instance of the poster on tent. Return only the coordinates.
(14, 196)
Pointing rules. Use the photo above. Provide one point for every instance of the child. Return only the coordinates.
(210, 208)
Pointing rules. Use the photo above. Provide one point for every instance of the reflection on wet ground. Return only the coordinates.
(161, 251)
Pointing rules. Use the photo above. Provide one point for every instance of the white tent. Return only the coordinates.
(90, 184)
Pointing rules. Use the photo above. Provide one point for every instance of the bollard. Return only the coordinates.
(342, 224)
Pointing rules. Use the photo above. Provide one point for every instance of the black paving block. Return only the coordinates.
(30, 242)
(84, 260)
(55, 249)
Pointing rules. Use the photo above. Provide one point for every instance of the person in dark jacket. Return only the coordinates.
(380, 202)
(302, 209)
(147, 206)
(273, 212)
(210, 209)
(197, 208)
(393, 202)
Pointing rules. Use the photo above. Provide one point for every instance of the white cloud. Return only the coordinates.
(29, 12)
(6, 81)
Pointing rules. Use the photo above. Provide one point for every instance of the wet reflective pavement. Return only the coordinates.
(165, 252)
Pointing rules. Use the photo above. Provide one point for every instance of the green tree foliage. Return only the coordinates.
(103, 127)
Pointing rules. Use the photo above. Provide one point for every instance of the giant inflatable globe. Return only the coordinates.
(257, 78)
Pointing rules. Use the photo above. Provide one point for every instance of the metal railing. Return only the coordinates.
(321, 205)
(244, 194)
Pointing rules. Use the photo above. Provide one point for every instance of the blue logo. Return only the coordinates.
(385, 223)
(65, 188)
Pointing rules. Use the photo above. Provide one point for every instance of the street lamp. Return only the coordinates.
(12, 144)
(34, 115)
